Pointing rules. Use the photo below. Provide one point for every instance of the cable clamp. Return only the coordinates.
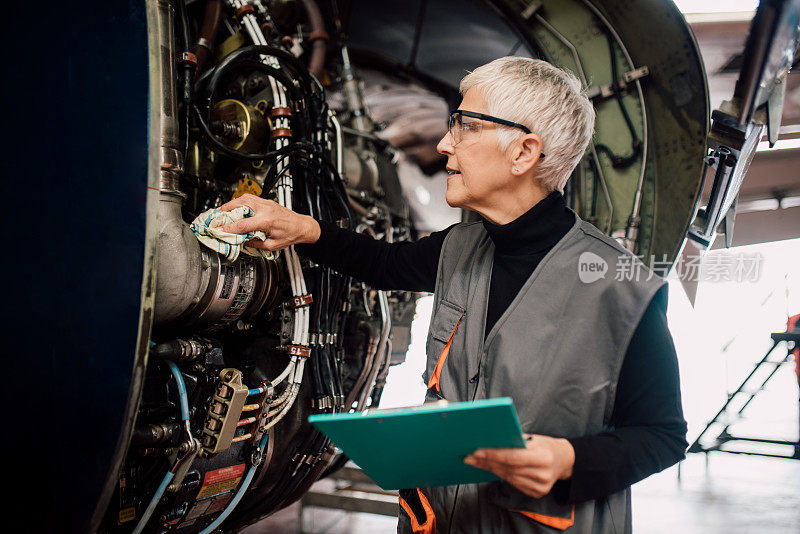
(300, 301)
(607, 91)
(280, 111)
(299, 350)
(327, 454)
(281, 132)
(246, 9)
(324, 403)
(187, 58)
(532, 8)
(205, 43)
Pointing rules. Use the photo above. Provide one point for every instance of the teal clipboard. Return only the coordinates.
(424, 445)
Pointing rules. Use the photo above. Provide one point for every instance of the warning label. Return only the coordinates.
(127, 514)
(220, 481)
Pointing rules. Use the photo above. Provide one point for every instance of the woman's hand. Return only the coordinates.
(282, 226)
(532, 470)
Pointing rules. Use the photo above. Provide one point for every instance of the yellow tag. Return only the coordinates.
(246, 185)
(127, 514)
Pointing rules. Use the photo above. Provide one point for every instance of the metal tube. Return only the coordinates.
(637, 198)
(386, 326)
(153, 502)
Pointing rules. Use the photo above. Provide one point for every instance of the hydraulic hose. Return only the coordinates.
(184, 400)
(318, 37)
(208, 31)
(184, 403)
(153, 502)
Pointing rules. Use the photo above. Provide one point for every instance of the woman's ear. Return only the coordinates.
(526, 153)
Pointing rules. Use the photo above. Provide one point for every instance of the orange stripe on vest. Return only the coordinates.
(429, 526)
(559, 523)
(434, 381)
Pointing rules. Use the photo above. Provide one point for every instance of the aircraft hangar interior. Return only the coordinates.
(419, 266)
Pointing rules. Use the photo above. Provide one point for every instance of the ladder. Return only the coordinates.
(738, 401)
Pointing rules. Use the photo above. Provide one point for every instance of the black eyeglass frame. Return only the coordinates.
(483, 116)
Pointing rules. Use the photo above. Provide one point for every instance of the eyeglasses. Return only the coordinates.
(462, 128)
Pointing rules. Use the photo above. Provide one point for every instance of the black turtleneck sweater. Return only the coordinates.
(648, 431)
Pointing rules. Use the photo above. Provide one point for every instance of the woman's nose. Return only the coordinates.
(445, 145)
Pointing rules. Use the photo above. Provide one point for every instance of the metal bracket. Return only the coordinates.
(607, 91)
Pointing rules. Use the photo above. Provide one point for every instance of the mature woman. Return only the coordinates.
(589, 361)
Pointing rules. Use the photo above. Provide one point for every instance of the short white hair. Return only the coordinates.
(546, 99)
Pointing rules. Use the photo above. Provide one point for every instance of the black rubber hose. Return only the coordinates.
(620, 161)
(212, 79)
(322, 325)
(277, 493)
(302, 481)
(282, 55)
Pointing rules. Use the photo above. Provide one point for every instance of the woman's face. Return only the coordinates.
(480, 172)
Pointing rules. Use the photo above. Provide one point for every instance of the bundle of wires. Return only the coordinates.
(305, 179)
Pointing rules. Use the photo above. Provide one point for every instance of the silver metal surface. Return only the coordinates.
(179, 270)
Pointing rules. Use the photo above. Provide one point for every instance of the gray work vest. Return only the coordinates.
(556, 351)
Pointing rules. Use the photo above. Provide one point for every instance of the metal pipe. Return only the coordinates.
(179, 270)
(632, 226)
(337, 128)
(372, 349)
(386, 326)
(352, 92)
(386, 321)
(631, 232)
(380, 381)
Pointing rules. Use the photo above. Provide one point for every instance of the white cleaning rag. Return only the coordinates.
(206, 228)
